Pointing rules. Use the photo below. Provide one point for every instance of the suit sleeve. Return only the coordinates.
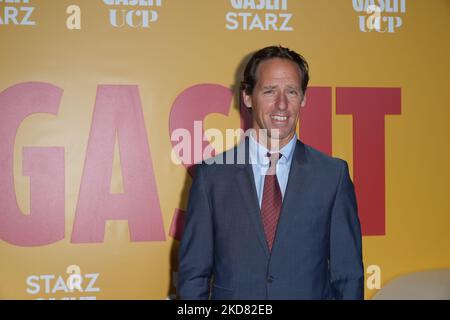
(346, 266)
(196, 247)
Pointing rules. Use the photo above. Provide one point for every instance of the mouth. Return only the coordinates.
(279, 119)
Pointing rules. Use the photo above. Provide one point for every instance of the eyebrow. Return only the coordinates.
(274, 87)
(269, 87)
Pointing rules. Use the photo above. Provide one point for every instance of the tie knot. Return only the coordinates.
(273, 158)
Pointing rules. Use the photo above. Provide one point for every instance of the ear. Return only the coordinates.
(247, 99)
(303, 103)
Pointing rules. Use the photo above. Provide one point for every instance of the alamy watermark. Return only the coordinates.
(195, 147)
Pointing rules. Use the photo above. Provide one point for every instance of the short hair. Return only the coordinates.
(250, 72)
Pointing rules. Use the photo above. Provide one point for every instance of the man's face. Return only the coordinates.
(276, 99)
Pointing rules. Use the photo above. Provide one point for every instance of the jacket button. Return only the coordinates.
(270, 279)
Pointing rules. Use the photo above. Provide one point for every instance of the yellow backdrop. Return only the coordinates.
(203, 41)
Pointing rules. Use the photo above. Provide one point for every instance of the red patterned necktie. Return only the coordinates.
(271, 200)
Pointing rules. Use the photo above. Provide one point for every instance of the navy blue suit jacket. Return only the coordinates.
(317, 249)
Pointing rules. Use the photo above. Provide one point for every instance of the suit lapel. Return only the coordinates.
(246, 182)
(299, 176)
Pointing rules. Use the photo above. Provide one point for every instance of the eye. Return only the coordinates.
(269, 91)
(293, 92)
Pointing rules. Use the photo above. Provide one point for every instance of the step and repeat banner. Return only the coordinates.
(96, 97)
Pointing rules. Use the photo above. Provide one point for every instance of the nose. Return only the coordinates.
(282, 102)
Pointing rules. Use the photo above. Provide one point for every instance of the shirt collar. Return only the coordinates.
(258, 152)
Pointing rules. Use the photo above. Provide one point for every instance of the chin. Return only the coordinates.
(284, 134)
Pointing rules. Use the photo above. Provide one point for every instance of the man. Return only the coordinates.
(283, 224)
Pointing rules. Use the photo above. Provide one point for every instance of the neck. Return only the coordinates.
(271, 144)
